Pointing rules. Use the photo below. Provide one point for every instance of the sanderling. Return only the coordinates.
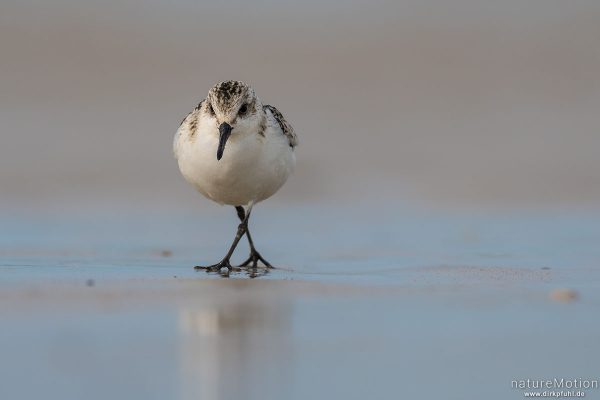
(235, 151)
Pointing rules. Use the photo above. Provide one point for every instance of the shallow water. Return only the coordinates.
(364, 304)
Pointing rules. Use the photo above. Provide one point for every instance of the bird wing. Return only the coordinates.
(187, 127)
(286, 128)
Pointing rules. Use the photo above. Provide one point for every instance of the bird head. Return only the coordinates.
(235, 109)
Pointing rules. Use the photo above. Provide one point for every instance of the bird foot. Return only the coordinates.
(217, 267)
(253, 260)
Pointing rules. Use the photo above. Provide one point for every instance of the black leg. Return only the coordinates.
(224, 263)
(255, 256)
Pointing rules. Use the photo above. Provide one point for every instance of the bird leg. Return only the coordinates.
(255, 256)
(225, 263)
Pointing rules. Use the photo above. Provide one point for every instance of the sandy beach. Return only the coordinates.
(433, 307)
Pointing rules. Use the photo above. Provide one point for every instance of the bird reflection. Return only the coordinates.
(250, 272)
(236, 345)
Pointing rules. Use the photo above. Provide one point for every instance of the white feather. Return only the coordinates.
(253, 166)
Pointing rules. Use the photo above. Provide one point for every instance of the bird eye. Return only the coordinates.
(210, 109)
(243, 109)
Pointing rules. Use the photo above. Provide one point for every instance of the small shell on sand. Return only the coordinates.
(564, 295)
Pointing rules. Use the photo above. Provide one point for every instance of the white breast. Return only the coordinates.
(252, 169)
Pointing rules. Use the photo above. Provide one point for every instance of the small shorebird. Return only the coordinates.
(235, 151)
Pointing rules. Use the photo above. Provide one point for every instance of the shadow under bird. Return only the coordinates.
(235, 151)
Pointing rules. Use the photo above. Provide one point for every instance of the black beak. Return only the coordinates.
(224, 132)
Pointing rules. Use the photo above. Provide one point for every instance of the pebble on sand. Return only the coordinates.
(564, 295)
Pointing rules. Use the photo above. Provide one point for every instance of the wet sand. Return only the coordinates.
(419, 305)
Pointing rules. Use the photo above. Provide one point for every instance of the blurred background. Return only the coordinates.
(459, 104)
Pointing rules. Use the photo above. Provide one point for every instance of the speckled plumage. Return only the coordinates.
(285, 127)
(260, 129)
(230, 94)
